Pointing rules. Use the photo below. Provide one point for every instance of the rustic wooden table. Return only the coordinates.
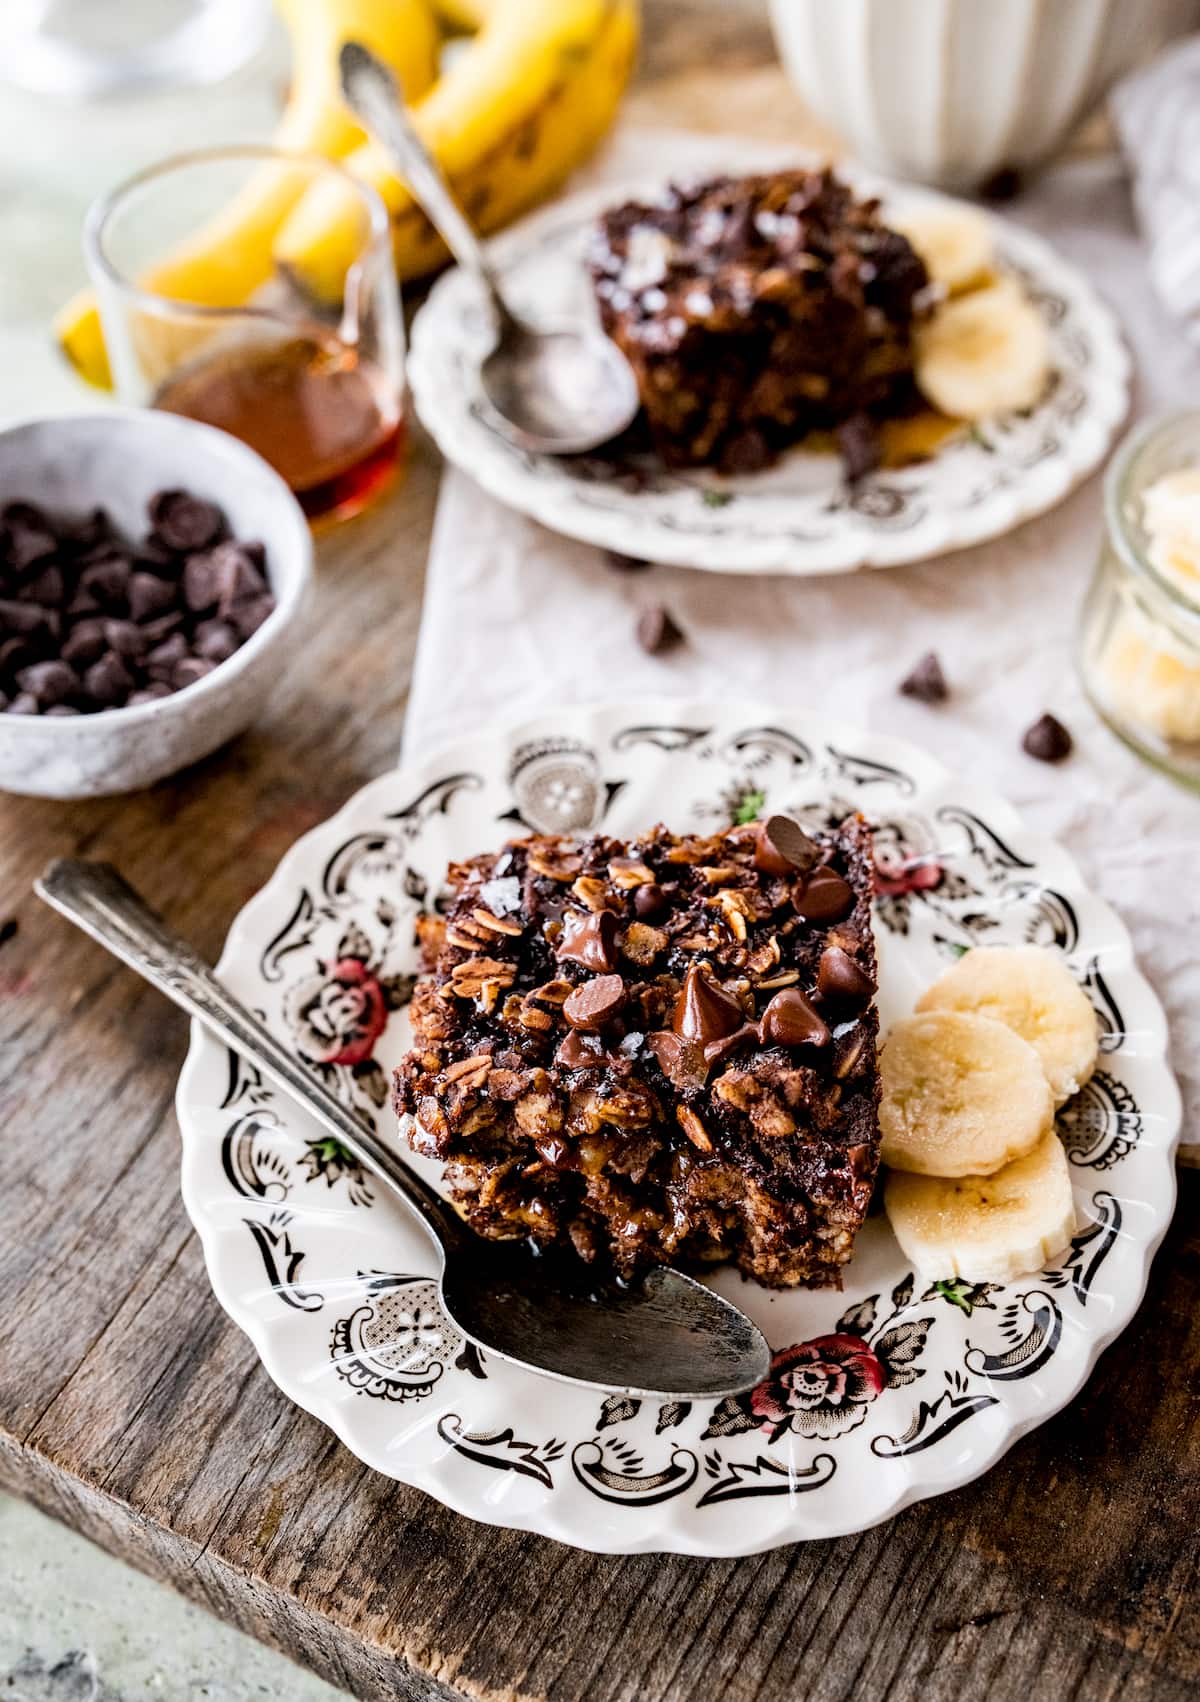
(131, 1408)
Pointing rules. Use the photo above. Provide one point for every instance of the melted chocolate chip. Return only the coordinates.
(704, 1011)
(589, 938)
(575, 1053)
(790, 1020)
(842, 980)
(783, 847)
(824, 897)
(681, 1061)
(1048, 740)
(595, 1003)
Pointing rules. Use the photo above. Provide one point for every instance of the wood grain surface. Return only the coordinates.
(133, 1409)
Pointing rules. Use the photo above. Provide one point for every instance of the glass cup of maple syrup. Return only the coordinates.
(201, 319)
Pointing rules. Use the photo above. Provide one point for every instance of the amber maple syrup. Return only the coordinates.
(327, 421)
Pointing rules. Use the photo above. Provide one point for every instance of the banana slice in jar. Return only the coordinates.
(961, 1095)
(954, 242)
(1030, 990)
(985, 1228)
(982, 354)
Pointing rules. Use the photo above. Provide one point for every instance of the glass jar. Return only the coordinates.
(1140, 628)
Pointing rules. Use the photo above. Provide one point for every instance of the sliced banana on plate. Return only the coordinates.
(954, 242)
(1030, 990)
(985, 1228)
(982, 354)
(962, 1095)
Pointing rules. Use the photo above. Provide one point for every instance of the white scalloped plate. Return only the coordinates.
(922, 1389)
(797, 517)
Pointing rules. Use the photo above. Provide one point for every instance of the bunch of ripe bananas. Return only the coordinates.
(527, 97)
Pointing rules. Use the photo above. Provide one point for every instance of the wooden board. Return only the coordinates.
(131, 1408)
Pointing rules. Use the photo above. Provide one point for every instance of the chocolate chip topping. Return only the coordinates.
(574, 1053)
(790, 1020)
(783, 847)
(594, 1003)
(704, 1011)
(840, 979)
(824, 897)
(926, 682)
(589, 938)
(1048, 740)
(649, 900)
(656, 631)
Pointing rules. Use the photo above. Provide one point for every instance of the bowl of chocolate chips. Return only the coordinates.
(153, 578)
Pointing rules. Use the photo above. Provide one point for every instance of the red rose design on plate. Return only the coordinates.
(818, 1388)
(915, 874)
(339, 1013)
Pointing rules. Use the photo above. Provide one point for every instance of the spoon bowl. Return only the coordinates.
(667, 1338)
(550, 390)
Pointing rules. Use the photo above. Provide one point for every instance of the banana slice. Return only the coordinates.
(954, 242)
(962, 1095)
(984, 353)
(985, 1228)
(1030, 990)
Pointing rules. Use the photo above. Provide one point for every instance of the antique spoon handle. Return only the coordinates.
(371, 91)
(98, 899)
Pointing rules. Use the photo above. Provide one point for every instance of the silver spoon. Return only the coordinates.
(668, 1337)
(553, 392)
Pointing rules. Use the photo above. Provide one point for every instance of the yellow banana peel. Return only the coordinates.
(225, 262)
(511, 118)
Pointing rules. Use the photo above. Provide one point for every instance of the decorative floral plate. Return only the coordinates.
(890, 1391)
(799, 516)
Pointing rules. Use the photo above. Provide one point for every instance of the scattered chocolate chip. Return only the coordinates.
(790, 1020)
(841, 980)
(184, 522)
(48, 682)
(782, 847)
(823, 897)
(1048, 740)
(926, 682)
(594, 1003)
(589, 938)
(108, 680)
(149, 595)
(1003, 185)
(625, 564)
(656, 631)
(649, 900)
(190, 670)
(716, 1050)
(704, 1011)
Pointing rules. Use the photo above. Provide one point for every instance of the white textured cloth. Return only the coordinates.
(1157, 114)
(518, 619)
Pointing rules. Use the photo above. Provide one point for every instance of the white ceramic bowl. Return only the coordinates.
(117, 459)
(951, 91)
